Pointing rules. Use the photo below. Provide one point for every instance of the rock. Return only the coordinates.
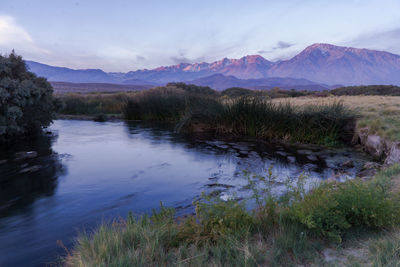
(378, 147)
(348, 164)
(220, 185)
(375, 146)
(31, 169)
(312, 157)
(281, 153)
(26, 155)
(393, 154)
(291, 159)
(371, 165)
(369, 170)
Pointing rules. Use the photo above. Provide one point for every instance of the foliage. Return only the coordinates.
(330, 209)
(26, 101)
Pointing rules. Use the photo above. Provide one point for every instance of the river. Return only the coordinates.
(87, 172)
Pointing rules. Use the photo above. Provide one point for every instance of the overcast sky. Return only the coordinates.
(123, 35)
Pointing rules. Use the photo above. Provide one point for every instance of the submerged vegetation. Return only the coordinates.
(279, 231)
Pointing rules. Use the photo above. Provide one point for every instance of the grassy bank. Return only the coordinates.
(286, 231)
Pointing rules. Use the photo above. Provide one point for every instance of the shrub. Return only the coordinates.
(26, 101)
(331, 209)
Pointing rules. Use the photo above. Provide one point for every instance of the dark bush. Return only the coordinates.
(368, 90)
(26, 101)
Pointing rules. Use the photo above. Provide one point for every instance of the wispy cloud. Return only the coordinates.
(13, 36)
(282, 45)
(388, 40)
(183, 58)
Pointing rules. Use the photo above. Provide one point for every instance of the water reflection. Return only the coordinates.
(28, 171)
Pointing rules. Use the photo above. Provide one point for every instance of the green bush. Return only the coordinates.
(330, 209)
(26, 101)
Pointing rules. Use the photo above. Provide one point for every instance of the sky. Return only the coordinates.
(122, 35)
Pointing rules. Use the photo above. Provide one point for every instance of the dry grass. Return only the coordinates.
(381, 114)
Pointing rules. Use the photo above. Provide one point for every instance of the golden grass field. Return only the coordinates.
(381, 114)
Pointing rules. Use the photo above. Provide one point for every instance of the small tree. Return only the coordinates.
(26, 101)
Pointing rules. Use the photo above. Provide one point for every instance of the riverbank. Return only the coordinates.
(378, 126)
(299, 227)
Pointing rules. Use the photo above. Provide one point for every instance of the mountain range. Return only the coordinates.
(319, 66)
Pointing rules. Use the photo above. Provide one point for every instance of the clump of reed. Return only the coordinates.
(262, 118)
(93, 104)
(158, 104)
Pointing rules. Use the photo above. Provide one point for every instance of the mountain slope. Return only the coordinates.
(61, 74)
(221, 82)
(320, 63)
(334, 64)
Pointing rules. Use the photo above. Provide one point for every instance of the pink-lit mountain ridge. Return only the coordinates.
(317, 64)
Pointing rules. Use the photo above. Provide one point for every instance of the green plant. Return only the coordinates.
(26, 101)
(331, 209)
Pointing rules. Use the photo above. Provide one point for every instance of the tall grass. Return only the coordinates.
(277, 232)
(159, 104)
(94, 104)
(323, 124)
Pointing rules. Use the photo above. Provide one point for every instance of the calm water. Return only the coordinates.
(91, 172)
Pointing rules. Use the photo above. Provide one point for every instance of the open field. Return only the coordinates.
(381, 114)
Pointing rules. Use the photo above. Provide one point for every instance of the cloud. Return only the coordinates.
(13, 36)
(282, 45)
(140, 58)
(182, 58)
(11, 33)
(388, 40)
